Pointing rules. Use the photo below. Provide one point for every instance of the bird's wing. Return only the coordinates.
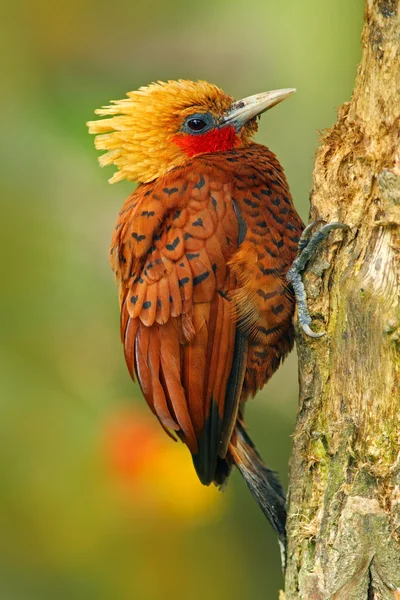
(170, 251)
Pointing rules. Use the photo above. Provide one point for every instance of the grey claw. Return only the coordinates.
(307, 244)
(335, 225)
(308, 331)
(310, 227)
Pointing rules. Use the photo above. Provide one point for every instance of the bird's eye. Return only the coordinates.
(196, 124)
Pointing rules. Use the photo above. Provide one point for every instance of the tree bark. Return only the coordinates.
(344, 493)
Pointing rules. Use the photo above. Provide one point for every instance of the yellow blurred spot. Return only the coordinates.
(178, 488)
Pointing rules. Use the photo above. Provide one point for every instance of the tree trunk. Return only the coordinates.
(344, 494)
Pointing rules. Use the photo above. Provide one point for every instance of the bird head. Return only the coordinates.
(158, 127)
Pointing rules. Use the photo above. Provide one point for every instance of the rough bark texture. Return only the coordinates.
(344, 496)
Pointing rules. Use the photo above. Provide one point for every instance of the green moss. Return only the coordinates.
(364, 484)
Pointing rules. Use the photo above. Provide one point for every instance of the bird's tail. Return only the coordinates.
(261, 481)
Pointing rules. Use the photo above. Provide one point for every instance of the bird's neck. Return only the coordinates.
(216, 140)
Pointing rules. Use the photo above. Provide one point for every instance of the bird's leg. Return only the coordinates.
(307, 245)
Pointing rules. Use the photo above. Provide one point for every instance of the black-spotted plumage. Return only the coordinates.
(204, 296)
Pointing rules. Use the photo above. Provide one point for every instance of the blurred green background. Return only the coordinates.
(95, 502)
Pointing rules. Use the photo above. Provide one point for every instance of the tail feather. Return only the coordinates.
(206, 461)
(261, 481)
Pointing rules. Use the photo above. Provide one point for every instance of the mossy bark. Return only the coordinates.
(344, 494)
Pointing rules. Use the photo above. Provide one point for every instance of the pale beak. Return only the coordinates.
(243, 110)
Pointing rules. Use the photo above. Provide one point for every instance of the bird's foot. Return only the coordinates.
(307, 245)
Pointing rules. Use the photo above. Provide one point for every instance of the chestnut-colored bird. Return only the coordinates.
(201, 250)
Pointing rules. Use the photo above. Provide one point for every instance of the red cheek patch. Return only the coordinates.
(216, 140)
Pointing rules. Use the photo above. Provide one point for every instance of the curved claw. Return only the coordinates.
(308, 331)
(310, 240)
(310, 227)
(329, 226)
